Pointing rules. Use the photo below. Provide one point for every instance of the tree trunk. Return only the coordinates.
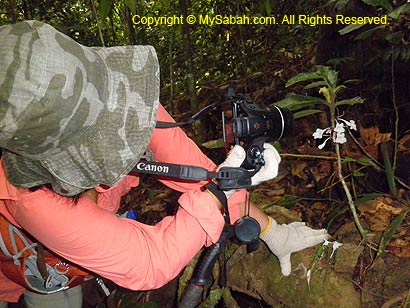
(190, 76)
(132, 37)
(11, 12)
(26, 10)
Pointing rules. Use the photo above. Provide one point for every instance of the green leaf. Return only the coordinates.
(315, 84)
(268, 7)
(350, 28)
(296, 102)
(303, 77)
(366, 34)
(335, 62)
(329, 75)
(348, 160)
(357, 173)
(379, 3)
(395, 14)
(364, 161)
(352, 81)
(351, 101)
(367, 197)
(132, 5)
(305, 113)
(340, 88)
(394, 38)
(389, 170)
(104, 8)
(388, 234)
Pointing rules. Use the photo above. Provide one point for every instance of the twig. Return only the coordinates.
(307, 156)
(98, 22)
(404, 296)
(368, 291)
(374, 160)
(345, 177)
(396, 111)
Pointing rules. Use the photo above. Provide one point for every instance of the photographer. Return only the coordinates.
(74, 121)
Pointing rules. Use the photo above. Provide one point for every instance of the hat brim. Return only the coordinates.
(111, 126)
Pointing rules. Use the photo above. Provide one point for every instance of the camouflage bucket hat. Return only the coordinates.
(70, 115)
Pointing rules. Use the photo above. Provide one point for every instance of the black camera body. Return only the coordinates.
(248, 125)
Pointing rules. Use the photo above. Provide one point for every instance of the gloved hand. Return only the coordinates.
(284, 239)
(270, 169)
(235, 159)
(267, 172)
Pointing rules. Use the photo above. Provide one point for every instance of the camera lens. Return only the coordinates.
(240, 127)
(280, 123)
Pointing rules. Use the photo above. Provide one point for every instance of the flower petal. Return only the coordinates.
(339, 128)
(322, 145)
(318, 134)
(340, 138)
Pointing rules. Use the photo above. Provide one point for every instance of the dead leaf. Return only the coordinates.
(379, 212)
(404, 144)
(298, 169)
(372, 135)
(387, 204)
(323, 169)
(400, 248)
(371, 138)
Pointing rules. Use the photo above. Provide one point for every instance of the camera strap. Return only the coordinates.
(228, 178)
(192, 119)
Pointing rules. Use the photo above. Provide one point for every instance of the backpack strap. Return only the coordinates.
(27, 263)
(41, 261)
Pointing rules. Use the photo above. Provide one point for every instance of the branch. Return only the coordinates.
(402, 297)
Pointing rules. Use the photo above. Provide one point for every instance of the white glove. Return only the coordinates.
(270, 169)
(267, 172)
(284, 239)
(235, 157)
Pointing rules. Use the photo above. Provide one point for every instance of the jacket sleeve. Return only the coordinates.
(131, 254)
(172, 145)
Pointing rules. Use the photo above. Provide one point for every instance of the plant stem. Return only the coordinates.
(350, 201)
(352, 206)
(307, 156)
(396, 112)
(98, 22)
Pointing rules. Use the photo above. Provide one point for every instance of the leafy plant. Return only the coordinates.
(394, 32)
(326, 79)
